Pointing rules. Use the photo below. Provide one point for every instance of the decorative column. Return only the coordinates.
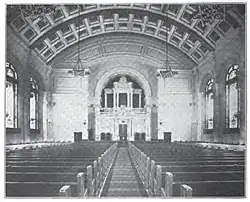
(97, 137)
(242, 98)
(218, 113)
(156, 128)
(49, 118)
(242, 84)
(199, 117)
(24, 107)
(131, 99)
(148, 131)
(45, 117)
(131, 103)
(194, 122)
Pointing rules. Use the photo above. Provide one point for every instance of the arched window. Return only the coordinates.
(11, 97)
(34, 123)
(232, 99)
(209, 105)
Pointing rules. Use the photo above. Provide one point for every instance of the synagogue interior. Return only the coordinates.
(125, 100)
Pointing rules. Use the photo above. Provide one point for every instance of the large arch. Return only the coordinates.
(109, 121)
(121, 70)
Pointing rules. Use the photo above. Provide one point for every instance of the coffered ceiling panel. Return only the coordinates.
(171, 24)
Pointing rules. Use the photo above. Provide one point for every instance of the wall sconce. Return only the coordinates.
(84, 122)
(160, 122)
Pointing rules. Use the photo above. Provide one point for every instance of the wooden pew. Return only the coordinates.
(208, 173)
(201, 162)
(37, 189)
(213, 188)
(34, 170)
(207, 176)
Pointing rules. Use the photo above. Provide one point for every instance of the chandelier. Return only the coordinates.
(209, 13)
(33, 11)
(166, 71)
(79, 70)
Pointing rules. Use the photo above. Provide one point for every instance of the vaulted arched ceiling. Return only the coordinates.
(119, 46)
(171, 24)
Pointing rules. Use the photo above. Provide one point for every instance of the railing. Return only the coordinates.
(95, 177)
(126, 109)
(151, 175)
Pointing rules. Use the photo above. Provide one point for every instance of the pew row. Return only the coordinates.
(187, 177)
(50, 176)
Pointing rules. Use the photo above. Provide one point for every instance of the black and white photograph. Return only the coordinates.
(125, 100)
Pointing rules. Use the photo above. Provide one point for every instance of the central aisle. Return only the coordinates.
(123, 181)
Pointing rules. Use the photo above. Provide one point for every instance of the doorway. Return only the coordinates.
(123, 131)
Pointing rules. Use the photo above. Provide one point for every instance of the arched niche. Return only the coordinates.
(137, 100)
(126, 71)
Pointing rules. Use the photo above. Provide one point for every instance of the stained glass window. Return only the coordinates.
(209, 105)
(232, 98)
(11, 97)
(33, 104)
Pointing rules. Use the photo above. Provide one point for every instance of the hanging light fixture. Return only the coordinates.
(166, 70)
(79, 70)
